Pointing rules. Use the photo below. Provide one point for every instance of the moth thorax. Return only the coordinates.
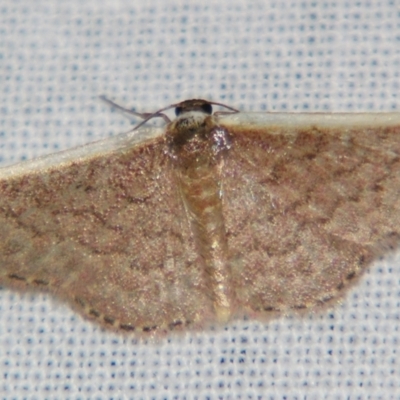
(195, 139)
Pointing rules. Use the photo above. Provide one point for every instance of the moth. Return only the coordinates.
(210, 218)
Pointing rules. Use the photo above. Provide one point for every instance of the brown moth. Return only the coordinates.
(214, 217)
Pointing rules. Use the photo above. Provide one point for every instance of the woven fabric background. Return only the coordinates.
(57, 57)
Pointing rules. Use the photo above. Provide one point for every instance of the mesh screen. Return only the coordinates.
(57, 57)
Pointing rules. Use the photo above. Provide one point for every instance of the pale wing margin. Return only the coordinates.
(258, 120)
(103, 227)
(79, 154)
(310, 201)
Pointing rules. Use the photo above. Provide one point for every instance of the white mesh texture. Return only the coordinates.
(57, 57)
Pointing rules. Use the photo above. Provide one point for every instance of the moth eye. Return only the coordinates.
(178, 111)
(207, 108)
